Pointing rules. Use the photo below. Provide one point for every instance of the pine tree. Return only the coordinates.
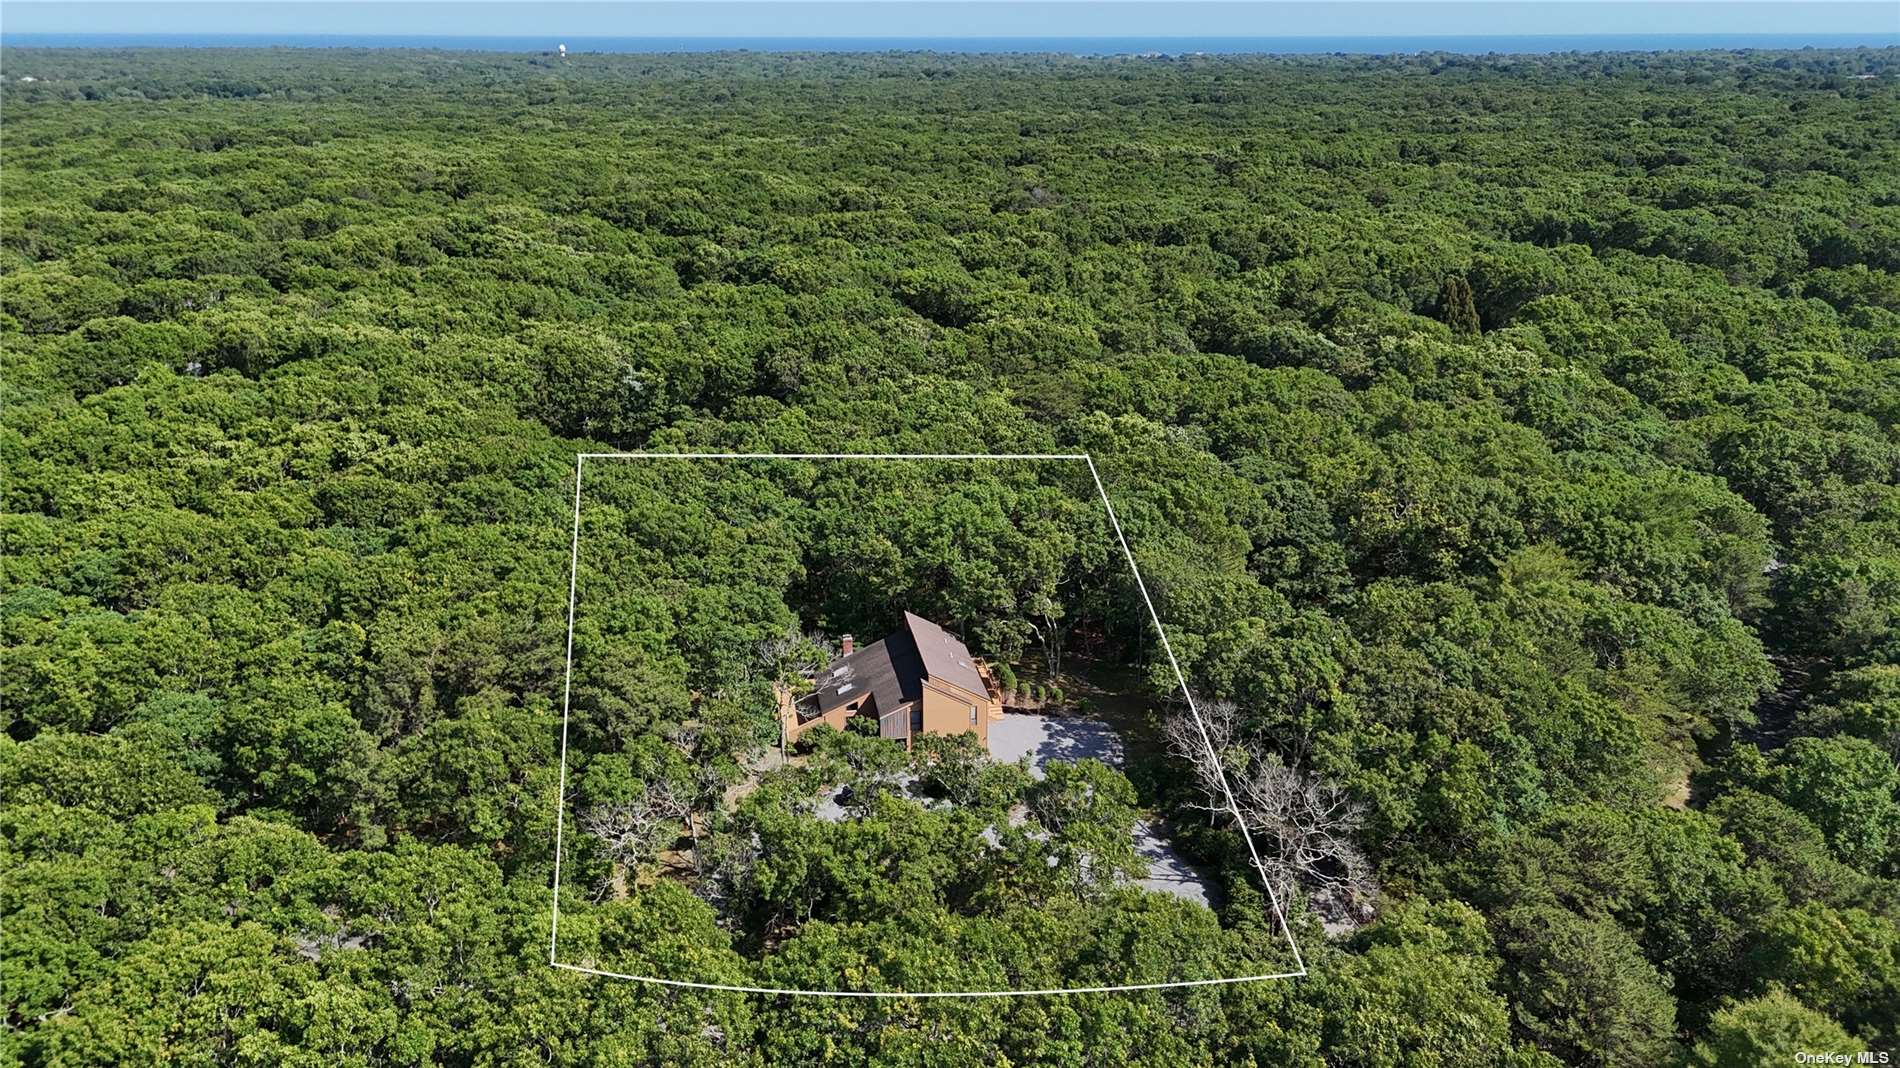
(1456, 305)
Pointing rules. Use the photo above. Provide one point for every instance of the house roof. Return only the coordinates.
(945, 658)
(892, 673)
(889, 671)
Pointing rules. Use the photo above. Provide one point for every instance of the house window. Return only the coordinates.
(917, 718)
(972, 715)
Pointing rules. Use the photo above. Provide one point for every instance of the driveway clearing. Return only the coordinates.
(1044, 738)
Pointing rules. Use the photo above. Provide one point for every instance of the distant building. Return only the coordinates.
(919, 680)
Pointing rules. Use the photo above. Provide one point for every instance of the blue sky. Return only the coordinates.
(972, 18)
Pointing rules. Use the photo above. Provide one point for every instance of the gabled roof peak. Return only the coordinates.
(945, 656)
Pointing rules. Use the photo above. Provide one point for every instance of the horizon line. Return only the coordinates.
(950, 36)
(964, 19)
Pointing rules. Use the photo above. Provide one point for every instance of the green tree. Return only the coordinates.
(1088, 810)
(1847, 787)
(1766, 1031)
(1844, 962)
(1420, 991)
(1456, 306)
(1582, 990)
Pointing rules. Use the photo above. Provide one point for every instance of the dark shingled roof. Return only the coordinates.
(892, 673)
(889, 670)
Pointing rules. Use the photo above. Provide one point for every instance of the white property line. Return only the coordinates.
(567, 697)
(567, 693)
(1212, 755)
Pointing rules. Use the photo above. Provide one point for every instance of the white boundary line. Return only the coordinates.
(567, 693)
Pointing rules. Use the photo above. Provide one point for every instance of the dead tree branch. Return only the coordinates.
(1302, 826)
(633, 832)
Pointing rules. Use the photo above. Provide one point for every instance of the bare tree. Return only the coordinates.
(788, 655)
(1302, 826)
(1197, 743)
(725, 879)
(1045, 605)
(634, 831)
(708, 786)
(1308, 826)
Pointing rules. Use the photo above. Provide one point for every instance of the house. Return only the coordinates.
(919, 680)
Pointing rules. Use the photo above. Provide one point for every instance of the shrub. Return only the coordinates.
(1006, 676)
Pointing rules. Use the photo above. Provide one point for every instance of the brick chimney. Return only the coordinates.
(849, 645)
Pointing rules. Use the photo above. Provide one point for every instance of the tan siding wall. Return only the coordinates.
(947, 711)
(836, 717)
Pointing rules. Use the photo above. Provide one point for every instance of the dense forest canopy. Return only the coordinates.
(1509, 443)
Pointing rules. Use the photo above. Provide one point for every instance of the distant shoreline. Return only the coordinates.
(1460, 44)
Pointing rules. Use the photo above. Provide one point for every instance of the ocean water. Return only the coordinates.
(1080, 46)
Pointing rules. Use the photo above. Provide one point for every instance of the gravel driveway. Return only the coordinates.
(1043, 738)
